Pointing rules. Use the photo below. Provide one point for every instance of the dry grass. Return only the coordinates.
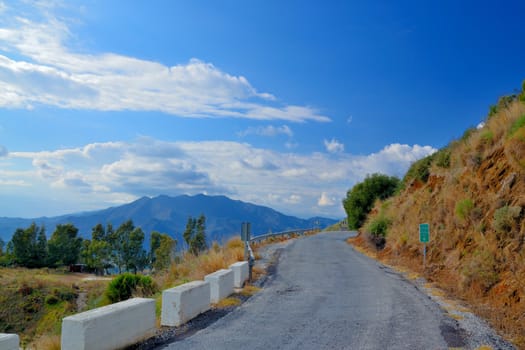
(33, 302)
(469, 256)
(46, 342)
(227, 303)
(249, 290)
(485, 347)
(193, 267)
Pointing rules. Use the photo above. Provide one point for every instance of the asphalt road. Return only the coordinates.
(324, 295)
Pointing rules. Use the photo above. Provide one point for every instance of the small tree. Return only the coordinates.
(127, 247)
(162, 250)
(195, 234)
(96, 252)
(28, 250)
(64, 245)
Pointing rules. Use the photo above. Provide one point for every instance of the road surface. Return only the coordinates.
(324, 295)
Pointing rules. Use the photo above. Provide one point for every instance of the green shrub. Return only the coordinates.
(481, 268)
(503, 103)
(360, 199)
(518, 124)
(443, 158)
(51, 299)
(127, 284)
(420, 170)
(378, 227)
(463, 208)
(487, 136)
(505, 219)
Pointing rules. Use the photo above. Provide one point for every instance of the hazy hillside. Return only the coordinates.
(169, 215)
(472, 193)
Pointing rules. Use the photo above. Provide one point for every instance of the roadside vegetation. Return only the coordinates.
(37, 288)
(472, 193)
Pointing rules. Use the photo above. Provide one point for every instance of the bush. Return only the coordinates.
(443, 158)
(518, 124)
(503, 103)
(127, 284)
(52, 299)
(487, 137)
(378, 227)
(481, 268)
(463, 208)
(420, 170)
(505, 219)
(360, 199)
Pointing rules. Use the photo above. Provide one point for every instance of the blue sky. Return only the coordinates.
(280, 103)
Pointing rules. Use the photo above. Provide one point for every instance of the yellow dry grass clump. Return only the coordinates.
(192, 267)
(475, 205)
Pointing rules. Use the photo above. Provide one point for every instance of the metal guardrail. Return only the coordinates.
(248, 252)
(301, 232)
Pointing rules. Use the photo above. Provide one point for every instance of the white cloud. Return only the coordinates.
(13, 183)
(393, 159)
(103, 174)
(325, 200)
(334, 146)
(480, 125)
(38, 68)
(269, 130)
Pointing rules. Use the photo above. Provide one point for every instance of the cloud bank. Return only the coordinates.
(117, 172)
(37, 67)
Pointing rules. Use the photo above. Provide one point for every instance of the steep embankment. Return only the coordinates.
(472, 193)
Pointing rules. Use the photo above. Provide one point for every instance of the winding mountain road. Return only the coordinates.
(324, 295)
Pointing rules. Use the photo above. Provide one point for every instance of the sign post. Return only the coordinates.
(245, 237)
(424, 237)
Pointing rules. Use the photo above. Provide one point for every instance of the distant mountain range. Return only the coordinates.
(169, 215)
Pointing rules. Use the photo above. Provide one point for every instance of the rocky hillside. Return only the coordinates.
(472, 193)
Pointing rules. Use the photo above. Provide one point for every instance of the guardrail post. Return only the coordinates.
(251, 262)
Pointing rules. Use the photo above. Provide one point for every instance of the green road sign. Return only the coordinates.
(424, 233)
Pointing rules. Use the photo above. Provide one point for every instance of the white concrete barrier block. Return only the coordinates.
(184, 302)
(9, 341)
(110, 327)
(221, 284)
(240, 273)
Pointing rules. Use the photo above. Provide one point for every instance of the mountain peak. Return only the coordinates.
(168, 214)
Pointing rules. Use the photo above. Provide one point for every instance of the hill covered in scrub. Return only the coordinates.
(472, 193)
